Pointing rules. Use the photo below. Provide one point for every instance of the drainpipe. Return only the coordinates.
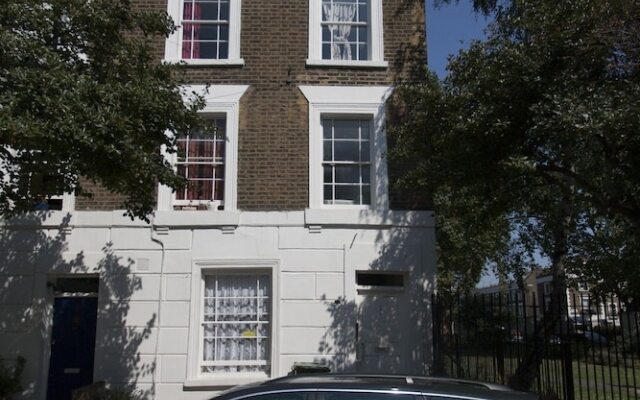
(158, 231)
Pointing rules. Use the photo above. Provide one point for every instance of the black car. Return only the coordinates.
(371, 387)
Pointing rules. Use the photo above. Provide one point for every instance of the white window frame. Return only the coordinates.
(200, 269)
(175, 163)
(173, 45)
(376, 45)
(348, 101)
(223, 100)
(68, 201)
(333, 163)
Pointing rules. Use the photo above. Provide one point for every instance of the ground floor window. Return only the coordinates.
(235, 322)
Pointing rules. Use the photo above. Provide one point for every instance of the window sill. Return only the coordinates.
(347, 64)
(200, 219)
(197, 205)
(211, 63)
(222, 382)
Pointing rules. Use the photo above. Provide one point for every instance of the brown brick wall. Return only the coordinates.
(100, 199)
(273, 137)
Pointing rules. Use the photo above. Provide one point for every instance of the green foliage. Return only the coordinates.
(10, 377)
(531, 144)
(81, 95)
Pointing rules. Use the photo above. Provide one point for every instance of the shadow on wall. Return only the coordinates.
(33, 253)
(410, 58)
(385, 327)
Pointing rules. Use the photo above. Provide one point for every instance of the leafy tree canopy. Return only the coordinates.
(531, 143)
(82, 97)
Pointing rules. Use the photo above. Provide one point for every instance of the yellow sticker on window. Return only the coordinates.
(249, 333)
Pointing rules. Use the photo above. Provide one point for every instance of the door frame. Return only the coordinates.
(364, 292)
(49, 293)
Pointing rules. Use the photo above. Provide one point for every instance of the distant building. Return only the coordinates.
(536, 292)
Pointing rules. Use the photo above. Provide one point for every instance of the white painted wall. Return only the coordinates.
(317, 255)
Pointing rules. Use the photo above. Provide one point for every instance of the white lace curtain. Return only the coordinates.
(344, 14)
(235, 322)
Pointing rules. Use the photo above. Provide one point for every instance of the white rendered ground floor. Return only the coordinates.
(196, 301)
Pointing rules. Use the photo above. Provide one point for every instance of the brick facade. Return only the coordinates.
(273, 141)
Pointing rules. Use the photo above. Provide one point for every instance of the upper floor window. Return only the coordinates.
(200, 159)
(346, 32)
(205, 29)
(207, 159)
(347, 147)
(208, 32)
(345, 29)
(346, 161)
(37, 181)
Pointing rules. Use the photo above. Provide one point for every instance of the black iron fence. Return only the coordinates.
(578, 346)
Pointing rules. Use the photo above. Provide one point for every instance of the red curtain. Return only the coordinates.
(197, 15)
(191, 31)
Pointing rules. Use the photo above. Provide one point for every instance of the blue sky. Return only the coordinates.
(450, 28)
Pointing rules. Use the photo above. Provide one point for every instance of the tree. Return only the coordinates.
(540, 116)
(531, 143)
(82, 97)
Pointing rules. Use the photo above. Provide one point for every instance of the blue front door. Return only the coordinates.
(73, 340)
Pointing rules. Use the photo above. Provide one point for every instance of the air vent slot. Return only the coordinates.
(380, 279)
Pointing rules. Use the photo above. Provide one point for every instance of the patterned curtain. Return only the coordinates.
(235, 304)
(340, 48)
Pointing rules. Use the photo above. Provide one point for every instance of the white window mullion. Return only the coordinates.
(258, 297)
(353, 23)
(193, 38)
(360, 186)
(333, 162)
(201, 319)
(205, 21)
(257, 357)
(215, 318)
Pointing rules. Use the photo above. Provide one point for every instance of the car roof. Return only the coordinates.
(433, 386)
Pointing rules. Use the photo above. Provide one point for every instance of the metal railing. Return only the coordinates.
(579, 346)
